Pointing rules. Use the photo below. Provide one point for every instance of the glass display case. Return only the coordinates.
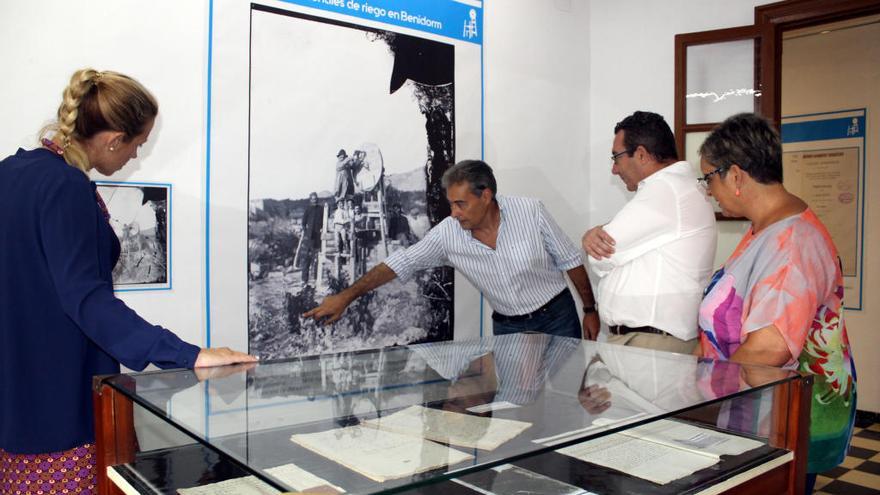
(499, 415)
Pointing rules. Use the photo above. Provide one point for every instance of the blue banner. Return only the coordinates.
(447, 18)
(818, 130)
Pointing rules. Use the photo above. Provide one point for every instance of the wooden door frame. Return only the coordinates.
(775, 18)
(682, 43)
(771, 21)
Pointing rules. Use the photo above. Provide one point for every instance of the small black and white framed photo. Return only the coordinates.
(140, 214)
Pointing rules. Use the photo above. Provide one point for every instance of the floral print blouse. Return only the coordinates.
(789, 276)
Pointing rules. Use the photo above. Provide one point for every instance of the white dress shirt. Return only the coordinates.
(520, 275)
(665, 245)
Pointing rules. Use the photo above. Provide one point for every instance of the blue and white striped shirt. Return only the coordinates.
(520, 275)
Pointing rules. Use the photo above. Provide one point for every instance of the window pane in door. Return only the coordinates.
(720, 80)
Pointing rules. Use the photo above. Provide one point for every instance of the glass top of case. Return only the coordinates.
(389, 419)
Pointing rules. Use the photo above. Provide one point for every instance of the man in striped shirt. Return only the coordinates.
(510, 248)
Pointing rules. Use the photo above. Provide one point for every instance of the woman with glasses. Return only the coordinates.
(778, 299)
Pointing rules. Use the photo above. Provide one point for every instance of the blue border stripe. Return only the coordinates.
(482, 134)
(447, 18)
(208, 179)
(208, 205)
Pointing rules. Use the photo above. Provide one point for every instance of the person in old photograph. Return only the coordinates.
(310, 243)
(347, 168)
(654, 258)
(364, 234)
(510, 248)
(342, 225)
(398, 226)
(340, 184)
(60, 322)
(358, 218)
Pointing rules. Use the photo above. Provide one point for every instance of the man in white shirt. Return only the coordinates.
(654, 258)
(508, 247)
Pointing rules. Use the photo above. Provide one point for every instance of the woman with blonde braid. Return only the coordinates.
(60, 323)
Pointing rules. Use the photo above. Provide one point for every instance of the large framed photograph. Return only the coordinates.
(140, 214)
(336, 129)
(344, 193)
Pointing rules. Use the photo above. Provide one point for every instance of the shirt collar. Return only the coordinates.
(680, 167)
(502, 204)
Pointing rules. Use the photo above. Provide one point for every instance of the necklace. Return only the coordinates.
(51, 145)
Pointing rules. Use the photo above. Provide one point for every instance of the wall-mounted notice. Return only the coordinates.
(140, 215)
(824, 164)
(332, 124)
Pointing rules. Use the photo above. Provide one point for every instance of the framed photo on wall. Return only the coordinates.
(140, 214)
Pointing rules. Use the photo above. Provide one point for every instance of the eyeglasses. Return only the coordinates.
(615, 156)
(704, 180)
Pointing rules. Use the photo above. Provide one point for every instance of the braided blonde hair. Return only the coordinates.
(99, 101)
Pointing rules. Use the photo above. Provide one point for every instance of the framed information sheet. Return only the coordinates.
(824, 163)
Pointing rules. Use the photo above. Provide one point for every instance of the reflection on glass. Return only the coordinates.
(446, 406)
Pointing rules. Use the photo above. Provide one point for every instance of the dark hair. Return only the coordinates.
(750, 142)
(649, 130)
(477, 173)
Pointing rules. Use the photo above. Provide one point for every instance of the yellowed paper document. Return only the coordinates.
(289, 474)
(693, 438)
(249, 485)
(464, 430)
(661, 451)
(299, 479)
(828, 180)
(647, 460)
(380, 455)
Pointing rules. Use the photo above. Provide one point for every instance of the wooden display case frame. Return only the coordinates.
(116, 441)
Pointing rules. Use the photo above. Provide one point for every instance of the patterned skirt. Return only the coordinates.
(68, 472)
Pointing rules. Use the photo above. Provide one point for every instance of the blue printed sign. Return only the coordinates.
(448, 18)
(819, 130)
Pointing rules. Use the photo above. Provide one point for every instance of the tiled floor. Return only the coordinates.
(860, 472)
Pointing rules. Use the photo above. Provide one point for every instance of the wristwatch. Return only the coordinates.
(591, 309)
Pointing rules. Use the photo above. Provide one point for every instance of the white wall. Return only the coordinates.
(162, 44)
(537, 105)
(632, 61)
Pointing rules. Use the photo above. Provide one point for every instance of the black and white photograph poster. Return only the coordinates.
(351, 128)
(331, 126)
(140, 217)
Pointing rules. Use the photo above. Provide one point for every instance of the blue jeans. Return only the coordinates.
(559, 318)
